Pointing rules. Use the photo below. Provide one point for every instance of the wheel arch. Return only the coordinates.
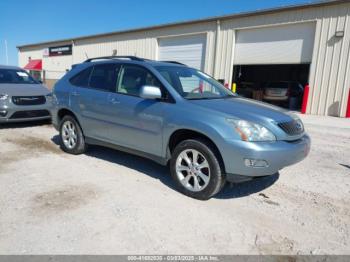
(63, 112)
(183, 134)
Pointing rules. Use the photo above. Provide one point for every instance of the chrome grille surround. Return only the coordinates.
(28, 100)
(292, 128)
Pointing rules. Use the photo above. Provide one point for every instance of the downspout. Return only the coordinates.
(73, 43)
(216, 50)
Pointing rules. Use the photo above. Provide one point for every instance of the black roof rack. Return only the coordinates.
(173, 62)
(135, 58)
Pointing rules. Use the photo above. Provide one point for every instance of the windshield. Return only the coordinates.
(14, 76)
(193, 84)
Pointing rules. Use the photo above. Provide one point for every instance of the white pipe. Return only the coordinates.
(216, 51)
(6, 52)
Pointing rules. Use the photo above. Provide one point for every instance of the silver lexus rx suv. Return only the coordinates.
(175, 115)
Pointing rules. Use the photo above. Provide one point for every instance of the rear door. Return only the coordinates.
(91, 98)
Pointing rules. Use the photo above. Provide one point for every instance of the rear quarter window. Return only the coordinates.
(82, 78)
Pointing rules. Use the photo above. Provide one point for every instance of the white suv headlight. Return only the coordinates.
(252, 132)
(3, 97)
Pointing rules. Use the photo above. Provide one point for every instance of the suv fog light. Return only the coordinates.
(3, 112)
(255, 162)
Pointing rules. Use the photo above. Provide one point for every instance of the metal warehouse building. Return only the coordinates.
(309, 44)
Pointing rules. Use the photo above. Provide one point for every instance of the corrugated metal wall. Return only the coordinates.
(143, 44)
(329, 79)
(330, 68)
(55, 67)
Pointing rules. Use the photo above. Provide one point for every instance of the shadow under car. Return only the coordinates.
(161, 173)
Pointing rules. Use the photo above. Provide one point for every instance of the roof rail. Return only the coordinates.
(173, 62)
(135, 58)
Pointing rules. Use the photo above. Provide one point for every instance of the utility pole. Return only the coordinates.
(6, 53)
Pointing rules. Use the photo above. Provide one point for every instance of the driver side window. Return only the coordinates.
(132, 78)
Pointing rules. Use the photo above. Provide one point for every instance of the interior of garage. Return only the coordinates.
(253, 81)
(272, 64)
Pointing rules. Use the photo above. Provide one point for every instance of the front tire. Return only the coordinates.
(196, 169)
(71, 136)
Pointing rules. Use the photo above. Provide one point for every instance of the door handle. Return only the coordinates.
(115, 101)
(75, 93)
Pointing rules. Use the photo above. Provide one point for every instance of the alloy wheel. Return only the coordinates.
(69, 134)
(192, 170)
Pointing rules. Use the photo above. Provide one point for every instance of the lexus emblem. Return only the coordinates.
(299, 126)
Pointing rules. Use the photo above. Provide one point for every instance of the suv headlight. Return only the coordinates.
(3, 97)
(252, 132)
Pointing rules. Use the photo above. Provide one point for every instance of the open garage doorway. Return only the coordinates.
(272, 63)
(282, 85)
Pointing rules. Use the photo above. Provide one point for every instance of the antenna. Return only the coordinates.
(86, 55)
(114, 53)
(6, 53)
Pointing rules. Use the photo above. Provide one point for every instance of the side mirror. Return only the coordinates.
(150, 92)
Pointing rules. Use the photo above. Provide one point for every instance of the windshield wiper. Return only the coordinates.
(230, 96)
(207, 98)
(200, 98)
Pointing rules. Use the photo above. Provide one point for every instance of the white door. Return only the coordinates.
(189, 50)
(285, 44)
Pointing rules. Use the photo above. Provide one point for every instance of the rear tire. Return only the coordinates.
(196, 169)
(71, 136)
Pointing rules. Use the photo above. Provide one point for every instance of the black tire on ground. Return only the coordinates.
(216, 180)
(80, 147)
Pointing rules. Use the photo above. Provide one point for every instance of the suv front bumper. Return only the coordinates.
(277, 155)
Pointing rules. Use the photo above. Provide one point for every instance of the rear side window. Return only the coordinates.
(81, 79)
(104, 77)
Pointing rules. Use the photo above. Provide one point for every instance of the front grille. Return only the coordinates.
(292, 128)
(30, 114)
(28, 100)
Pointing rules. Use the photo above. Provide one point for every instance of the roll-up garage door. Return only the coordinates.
(285, 44)
(188, 50)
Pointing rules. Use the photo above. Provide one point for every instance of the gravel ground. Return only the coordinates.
(108, 202)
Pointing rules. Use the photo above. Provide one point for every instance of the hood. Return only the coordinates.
(246, 109)
(23, 90)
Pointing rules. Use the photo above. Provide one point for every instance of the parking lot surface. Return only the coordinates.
(108, 202)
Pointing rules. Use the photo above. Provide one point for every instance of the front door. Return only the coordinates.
(138, 122)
